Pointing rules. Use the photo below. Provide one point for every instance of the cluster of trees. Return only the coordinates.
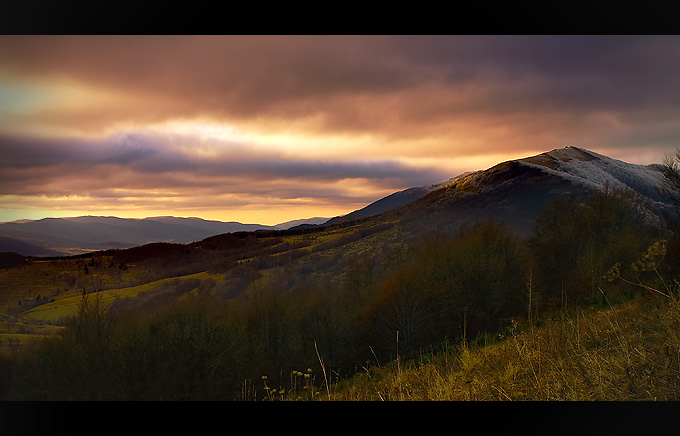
(575, 244)
(448, 287)
(389, 304)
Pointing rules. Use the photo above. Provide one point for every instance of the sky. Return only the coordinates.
(268, 129)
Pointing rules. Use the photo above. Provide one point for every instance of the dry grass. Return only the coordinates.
(630, 352)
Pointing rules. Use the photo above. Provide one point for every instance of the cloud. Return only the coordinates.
(164, 168)
(352, 83)
(325, 118)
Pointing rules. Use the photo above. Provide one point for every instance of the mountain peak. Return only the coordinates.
(570, 152)
(515, 191)
(551, 159)
(596, 171)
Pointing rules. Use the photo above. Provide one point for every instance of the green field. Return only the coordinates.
(70, 301)
(43, 320)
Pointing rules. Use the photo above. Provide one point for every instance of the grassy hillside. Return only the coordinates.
(626, 352)
(38, 294)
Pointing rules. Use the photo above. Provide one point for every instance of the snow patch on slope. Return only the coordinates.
(596, 171)
(442, 183)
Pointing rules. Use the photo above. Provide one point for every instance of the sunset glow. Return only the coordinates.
(267, 129)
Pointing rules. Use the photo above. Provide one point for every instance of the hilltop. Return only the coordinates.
(516, 191)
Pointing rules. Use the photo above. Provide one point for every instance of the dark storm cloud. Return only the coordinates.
(144, 160)
(259, 71)
(214, 73)
(543, 76)
(391, 86)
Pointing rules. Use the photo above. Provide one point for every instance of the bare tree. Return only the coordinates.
(671, 190)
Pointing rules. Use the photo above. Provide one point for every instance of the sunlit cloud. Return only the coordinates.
(276, 128)
(139, 172)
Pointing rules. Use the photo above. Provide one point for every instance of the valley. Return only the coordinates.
(35, 298)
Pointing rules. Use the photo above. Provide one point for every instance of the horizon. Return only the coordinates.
(271, 129)
(151, 217)
(260, 223)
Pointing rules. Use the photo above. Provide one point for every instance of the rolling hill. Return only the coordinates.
(68, 236)
(512, 193)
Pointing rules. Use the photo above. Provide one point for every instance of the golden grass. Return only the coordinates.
(630, 352)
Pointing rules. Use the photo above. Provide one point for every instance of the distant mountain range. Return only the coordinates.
(513, 192)
(66, 236)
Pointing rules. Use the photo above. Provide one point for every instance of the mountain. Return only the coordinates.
(15, 245)
(347, 283)
(516, 191)
(60, 236)
(302, 222)
(392, 201)
(513, 192)
(595, 171)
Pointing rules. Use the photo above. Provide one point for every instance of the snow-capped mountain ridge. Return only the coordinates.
(515, 192)
(568, 169)
(596, 171)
